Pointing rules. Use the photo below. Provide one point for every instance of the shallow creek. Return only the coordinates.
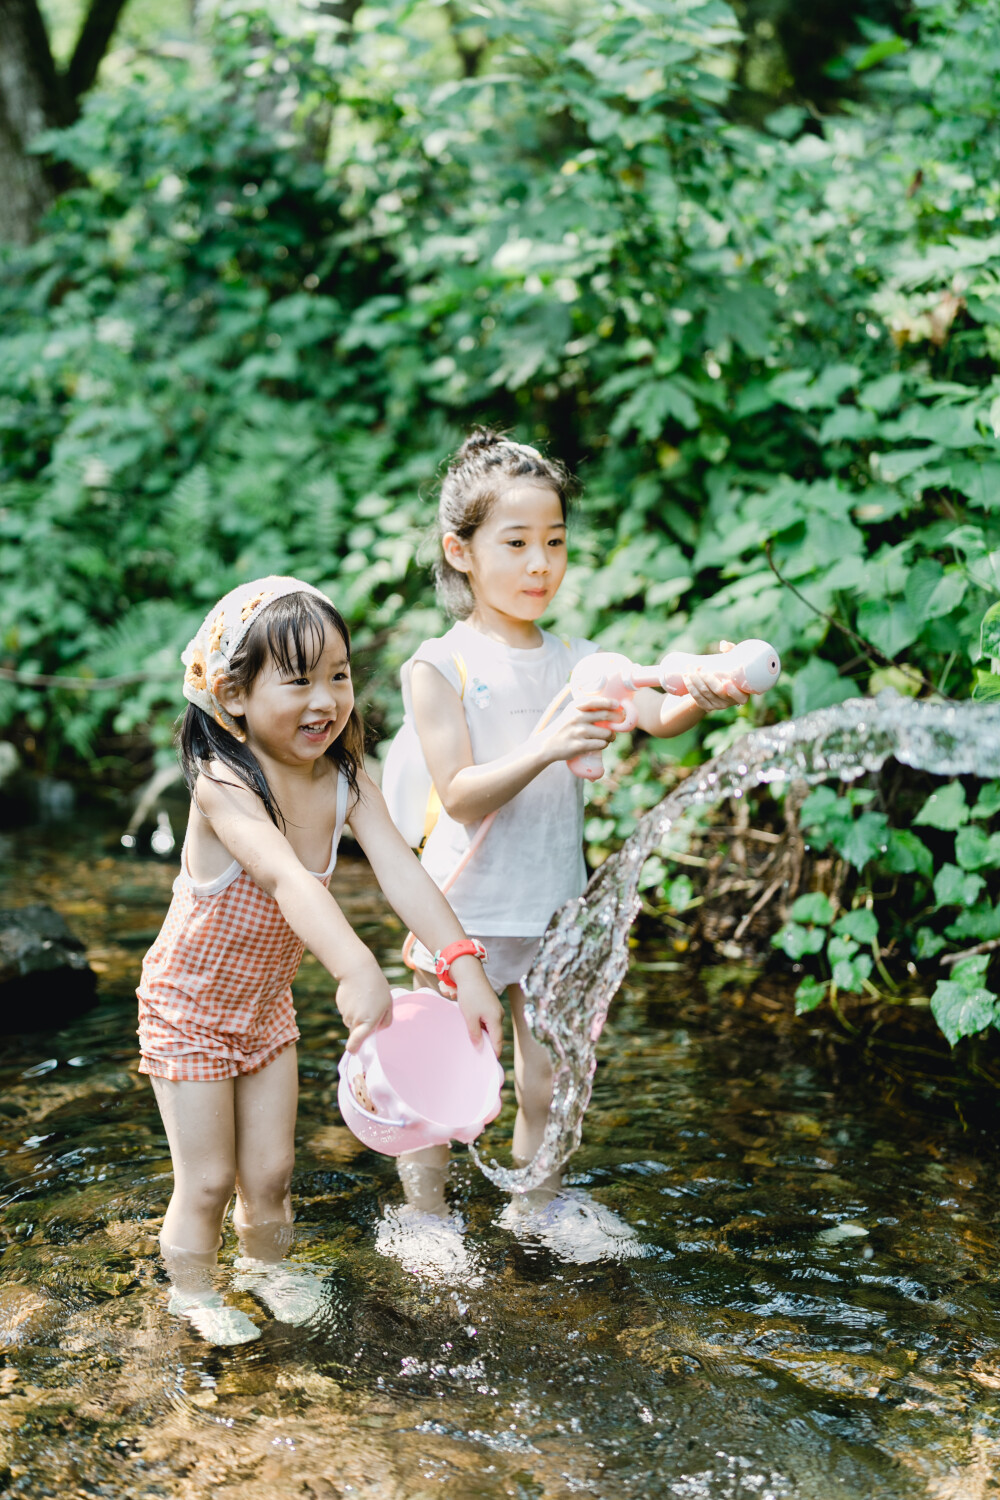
(814, 1314)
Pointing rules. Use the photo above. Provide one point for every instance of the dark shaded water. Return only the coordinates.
(816, 1314)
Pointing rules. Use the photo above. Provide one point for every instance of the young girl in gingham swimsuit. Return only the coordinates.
(272, 751)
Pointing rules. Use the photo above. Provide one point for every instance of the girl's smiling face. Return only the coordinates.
(516, 560)
(294, 710)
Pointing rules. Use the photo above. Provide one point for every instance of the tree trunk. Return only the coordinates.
(31, 100)
(35, 97)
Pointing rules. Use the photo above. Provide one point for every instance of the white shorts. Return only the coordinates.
(508, 959)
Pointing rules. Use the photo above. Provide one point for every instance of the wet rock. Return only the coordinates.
(834, 1372)
(27, 1316)
(45, 980)
(985, 1374)
(803, 1125)
(758, 1159)
(749, 1230)
(28, 798)
(15, 804)
(311, 1383)
(836, 1234)
(336, 1143)
(54, 800)
(10, 764)
(247, 1380)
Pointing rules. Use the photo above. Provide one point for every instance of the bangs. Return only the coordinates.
(292, 631)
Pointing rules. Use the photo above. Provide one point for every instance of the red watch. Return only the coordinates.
(445, 957)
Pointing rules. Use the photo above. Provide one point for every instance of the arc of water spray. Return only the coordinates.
(584, 955)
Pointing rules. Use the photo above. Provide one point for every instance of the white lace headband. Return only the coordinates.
(208, 656)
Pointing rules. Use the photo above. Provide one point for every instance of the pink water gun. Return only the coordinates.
(752, 666)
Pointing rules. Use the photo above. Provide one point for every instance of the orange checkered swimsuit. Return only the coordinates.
(215, 997)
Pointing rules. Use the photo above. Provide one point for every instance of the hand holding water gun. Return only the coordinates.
(750, 667)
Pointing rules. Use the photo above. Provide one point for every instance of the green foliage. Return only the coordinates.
(858, 839)
(944, 884)
(273, 304)
(287, 280)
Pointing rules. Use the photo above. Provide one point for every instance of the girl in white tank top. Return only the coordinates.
(476, 695)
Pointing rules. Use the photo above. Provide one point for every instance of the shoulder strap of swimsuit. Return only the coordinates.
(343, 788)
(463, 672)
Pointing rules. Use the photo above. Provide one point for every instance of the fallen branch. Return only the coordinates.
(84, 684)
(149, 795)
(954, 958)
(758, 905)
(762, 835)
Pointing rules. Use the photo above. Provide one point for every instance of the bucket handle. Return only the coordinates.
(366, 1114)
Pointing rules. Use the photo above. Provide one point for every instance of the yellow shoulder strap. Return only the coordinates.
(430, 816)
(462, 670)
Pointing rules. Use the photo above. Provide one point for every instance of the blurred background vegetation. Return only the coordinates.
(737, 265)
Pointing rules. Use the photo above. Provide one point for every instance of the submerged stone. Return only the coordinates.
(27, 1315)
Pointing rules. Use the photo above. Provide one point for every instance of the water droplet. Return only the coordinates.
(40, 1068)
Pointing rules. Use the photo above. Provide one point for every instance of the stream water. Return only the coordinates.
(813, 1314)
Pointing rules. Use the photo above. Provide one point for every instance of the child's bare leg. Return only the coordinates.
(265, 1108)
(266, 1103)
(532, 1086)
(199, 1121)
(424, 1174)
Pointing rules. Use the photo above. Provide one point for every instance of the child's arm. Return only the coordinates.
(663, 715)
(241, 825)
(415, 898)
(469, 791)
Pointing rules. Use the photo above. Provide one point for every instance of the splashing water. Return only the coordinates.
(584, 955)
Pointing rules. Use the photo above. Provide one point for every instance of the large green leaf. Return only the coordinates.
(797, 941)
(743, 314)
(814, 907)
(945, 809)
(962, 1005)
(860, 924)
(953, 887)
(889, 626)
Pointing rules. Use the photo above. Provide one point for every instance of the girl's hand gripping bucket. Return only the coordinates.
(428, 1084)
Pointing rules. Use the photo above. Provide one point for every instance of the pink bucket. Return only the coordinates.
(428, 1082)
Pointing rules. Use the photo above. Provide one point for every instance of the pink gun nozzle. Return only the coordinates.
(752, 666)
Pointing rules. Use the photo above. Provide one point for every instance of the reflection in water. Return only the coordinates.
(813, 1315)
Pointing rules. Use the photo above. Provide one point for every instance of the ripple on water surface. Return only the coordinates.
(812, 1313)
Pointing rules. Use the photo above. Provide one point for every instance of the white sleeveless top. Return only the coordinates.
(531, 860)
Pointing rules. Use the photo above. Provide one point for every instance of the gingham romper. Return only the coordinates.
(215, 996)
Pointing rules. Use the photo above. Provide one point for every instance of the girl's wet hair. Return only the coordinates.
(476, 476)
(289, 632)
